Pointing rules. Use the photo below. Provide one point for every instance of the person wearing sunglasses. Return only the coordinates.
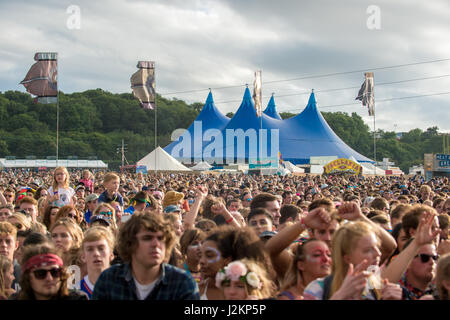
(416, 282)
(44, 276)
(109, 213)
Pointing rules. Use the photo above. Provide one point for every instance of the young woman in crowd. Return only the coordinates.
(109, 213)
(244, 279)
(356, 256)
(20, 221)
(190, 246)
(67, 236)
(50, 216)
(60, 193)
(224, 245)
(6, 277)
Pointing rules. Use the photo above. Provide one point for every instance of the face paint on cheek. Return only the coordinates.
(217, 252)
(313, 259)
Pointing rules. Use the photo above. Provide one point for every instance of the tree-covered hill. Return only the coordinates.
(94, 122)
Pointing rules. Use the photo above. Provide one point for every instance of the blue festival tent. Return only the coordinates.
(271, 111)
(209, 118)
(238, 140)
(308, 134)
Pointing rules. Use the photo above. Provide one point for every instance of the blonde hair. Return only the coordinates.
(268, 288)
(110, 176)
(110, 207)
(97, 233)
(6, 229)
(66, 181)
(23, 219)
(343, 243)
(87, 171)
(443, 274)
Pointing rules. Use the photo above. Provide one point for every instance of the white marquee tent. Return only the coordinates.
(160, 160)
(202, 166)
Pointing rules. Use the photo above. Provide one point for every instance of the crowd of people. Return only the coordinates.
(103, 235)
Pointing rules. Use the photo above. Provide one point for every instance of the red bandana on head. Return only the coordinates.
(42, 260)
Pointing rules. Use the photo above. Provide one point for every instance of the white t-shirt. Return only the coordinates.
(65, 195)
(143, 291)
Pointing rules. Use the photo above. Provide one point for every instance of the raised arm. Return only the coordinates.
(352, 212)
(424, 235)
(189, 217)
(318, 218)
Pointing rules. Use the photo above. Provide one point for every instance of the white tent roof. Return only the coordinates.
(201, 166)
(292, 168)
(25, 163)
(159, 159)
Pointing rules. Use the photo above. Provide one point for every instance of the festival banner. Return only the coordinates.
(143, 84)
(257, 92)
(342, 165)
(41, 79)
(366, 94)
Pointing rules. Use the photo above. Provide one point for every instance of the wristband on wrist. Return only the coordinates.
(229, 220)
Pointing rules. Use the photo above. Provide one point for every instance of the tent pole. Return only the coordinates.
(156, 131)
(374, 138)
(57, 120)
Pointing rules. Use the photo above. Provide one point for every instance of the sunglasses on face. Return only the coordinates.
(42, 273)
(105, 213)
(72, 215)
(18, 226)
(249, 199)
(426, 257)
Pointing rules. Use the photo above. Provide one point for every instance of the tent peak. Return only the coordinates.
(312, 100)
(209, 99)
(247, 95)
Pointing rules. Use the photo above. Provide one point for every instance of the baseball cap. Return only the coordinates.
(101, 219)
(92, 197)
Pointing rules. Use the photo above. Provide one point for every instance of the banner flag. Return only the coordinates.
(143, 84)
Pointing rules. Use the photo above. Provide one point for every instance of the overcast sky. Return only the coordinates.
(200, 44)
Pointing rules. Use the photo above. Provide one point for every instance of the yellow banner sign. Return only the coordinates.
(342, 165)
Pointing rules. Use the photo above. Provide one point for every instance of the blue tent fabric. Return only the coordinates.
(298, 138)
(308, 134)
(209, 118)
(271, 111)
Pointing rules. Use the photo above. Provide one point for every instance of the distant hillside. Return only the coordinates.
(94, 122)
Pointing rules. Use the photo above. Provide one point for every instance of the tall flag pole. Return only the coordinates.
(257, 83)
(257, 96)
(366, 96)
(144, 88)
(42, 81)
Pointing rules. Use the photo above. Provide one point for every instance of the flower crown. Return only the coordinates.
(237, 270)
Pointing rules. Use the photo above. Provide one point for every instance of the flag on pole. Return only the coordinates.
(257, 93)
(143, 84)
(366, 95)
(280, 159)
(41, 79)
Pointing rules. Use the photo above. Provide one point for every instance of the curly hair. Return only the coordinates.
(26, 292)
(127, 241)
